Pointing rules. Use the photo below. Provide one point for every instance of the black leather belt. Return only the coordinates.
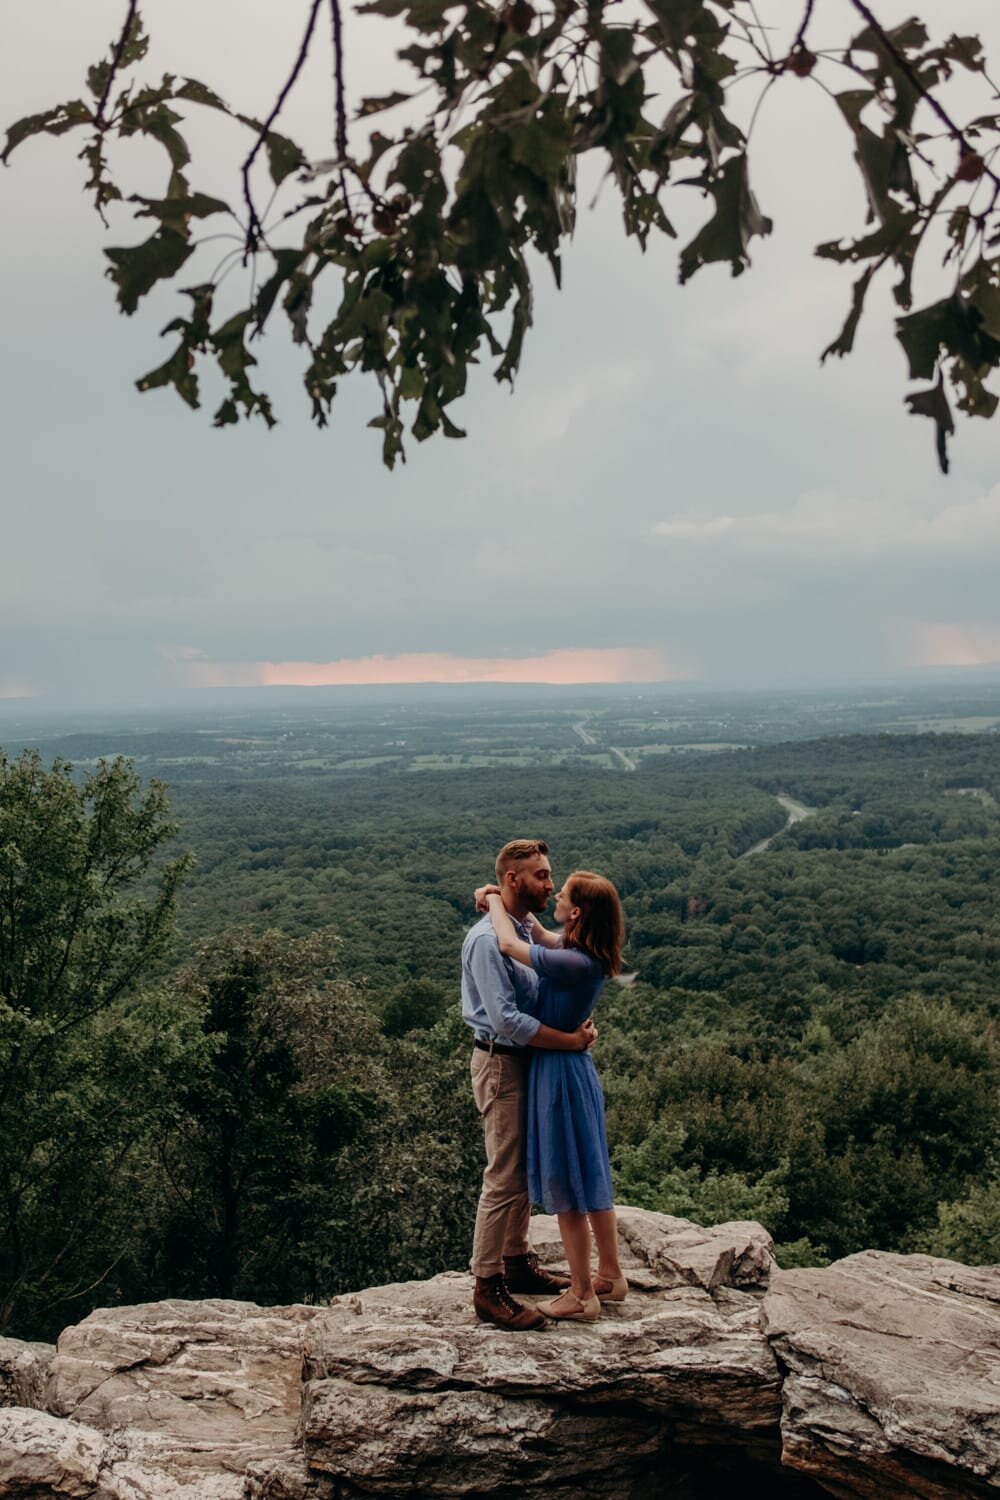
(497, 1047)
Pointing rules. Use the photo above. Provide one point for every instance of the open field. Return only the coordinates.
(433, 729)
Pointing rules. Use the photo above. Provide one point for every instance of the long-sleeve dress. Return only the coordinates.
(567, 1145)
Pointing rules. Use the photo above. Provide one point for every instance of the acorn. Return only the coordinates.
(801, 62)
(971, 167)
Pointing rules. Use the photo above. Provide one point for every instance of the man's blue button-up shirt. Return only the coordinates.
(498, 995)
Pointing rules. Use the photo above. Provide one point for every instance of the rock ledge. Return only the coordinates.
(876, 1377)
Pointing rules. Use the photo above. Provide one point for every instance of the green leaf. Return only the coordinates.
(977, 401)
(982, 285)
(135, 47)
(283, 157)
(891, 234)
(199, 93)
(544, 146)
(922, 335)
(521, 320)
(392, 439)
(376, 103)
(234, 359)
(418, 163)
(228, 339)
(909, 35)
(177, 371)
(227, 414)
(642, 212)
(411, 383)
(844, 342)
(157, 120)
(297, 302)
(954, 325)
(737, 219)
(175, 211)
(933, 403)
(965, 50)
(618, 60)
(136, 43)
(51, 122)
(666, 140)
(97, 77)
(105, 191)
(422, 15)
(448, 427)
(286, 263)
(851, 102)
(195, 329)
(136, 270)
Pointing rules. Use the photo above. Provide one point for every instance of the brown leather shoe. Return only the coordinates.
(523, 1273)
(494, 1304)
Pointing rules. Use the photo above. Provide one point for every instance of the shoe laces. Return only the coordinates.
(504, 1297)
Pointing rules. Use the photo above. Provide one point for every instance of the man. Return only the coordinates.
(497, 997)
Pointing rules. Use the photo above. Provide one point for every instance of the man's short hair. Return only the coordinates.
(516, 851)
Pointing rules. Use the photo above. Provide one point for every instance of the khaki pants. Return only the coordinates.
(499, 1088)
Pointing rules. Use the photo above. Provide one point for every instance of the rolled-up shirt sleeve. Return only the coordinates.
(488, 972)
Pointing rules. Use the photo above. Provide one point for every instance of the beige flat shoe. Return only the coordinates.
(568, 1306)
(611, 1291)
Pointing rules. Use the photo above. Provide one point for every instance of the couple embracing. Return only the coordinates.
(528, 994)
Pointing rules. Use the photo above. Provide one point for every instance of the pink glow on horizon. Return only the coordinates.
(969, 645)
(558, 668)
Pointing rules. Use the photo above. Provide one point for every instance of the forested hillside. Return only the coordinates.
(807, 1034)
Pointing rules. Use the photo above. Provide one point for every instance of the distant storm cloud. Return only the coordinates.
(614, 664)
(829, 524)
(180, 654)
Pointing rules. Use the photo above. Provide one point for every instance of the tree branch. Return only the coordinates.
(800, 35)
(338, 76)
(255, 229)
(340, 97)
(902, 61)
(99, 121)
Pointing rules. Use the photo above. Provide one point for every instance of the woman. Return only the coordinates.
(567, 1150)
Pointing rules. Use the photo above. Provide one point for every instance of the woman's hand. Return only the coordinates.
(480, 894)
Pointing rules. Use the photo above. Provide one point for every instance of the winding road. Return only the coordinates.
(797, 811)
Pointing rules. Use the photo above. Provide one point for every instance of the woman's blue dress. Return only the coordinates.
(567, 1144)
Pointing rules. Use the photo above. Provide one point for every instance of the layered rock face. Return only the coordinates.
(877, 1377)
(892, 1374)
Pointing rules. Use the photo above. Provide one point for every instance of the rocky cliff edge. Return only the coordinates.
(877, 1377)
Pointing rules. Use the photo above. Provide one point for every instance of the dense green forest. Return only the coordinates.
(276, 1106)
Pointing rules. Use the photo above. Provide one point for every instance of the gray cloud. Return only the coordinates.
(673, 470)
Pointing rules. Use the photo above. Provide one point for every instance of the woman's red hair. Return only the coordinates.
(600, 928)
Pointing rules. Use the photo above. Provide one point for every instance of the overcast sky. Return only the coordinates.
(674, 490)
